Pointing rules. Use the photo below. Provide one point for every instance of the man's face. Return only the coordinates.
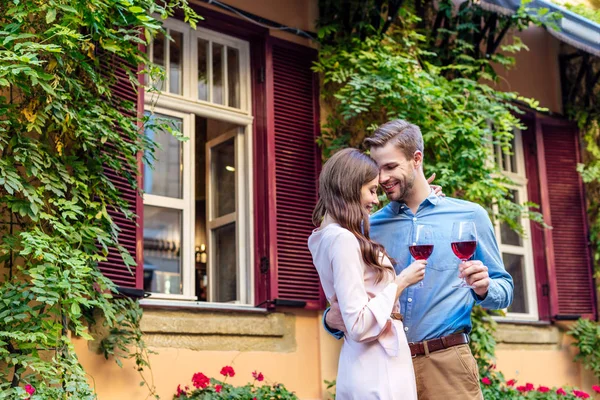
(396, 173)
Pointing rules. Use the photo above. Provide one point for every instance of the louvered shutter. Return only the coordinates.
(130, 235)
(292, 91)
(573, 286)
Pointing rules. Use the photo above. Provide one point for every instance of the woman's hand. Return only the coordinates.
(410, 275)
(437, 190)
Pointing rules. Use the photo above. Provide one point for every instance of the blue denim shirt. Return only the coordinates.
(438, 309)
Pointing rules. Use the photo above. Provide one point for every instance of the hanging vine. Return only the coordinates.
(60, 128)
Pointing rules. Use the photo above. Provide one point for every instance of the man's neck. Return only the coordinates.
(419, 192)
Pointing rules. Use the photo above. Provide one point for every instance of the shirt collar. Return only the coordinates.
(400, 207)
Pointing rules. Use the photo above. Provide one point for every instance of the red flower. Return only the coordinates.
(258, 376)
(511, 382)
(543, 389)
(29, 389)
(527, 388)
(596, 388)
(580, 394)
(200, 380)
(486, 381)
(180, 391)
(218, 388)
(561, 391)
(227, 371)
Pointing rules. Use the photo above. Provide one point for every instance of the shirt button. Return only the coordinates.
(414, 218)
(410, 299)
(406, 329)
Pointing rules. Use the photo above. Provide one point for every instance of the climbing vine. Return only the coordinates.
(61, 129)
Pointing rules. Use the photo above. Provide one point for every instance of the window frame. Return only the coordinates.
(526, 250)
(189, 106)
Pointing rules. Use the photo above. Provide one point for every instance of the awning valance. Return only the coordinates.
(573, 29)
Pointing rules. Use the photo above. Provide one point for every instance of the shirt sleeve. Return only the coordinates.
(365, 318)
(500, 292)
(333, 332)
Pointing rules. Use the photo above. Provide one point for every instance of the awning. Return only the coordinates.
(573, 29)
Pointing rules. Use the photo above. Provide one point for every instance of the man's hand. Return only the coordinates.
(333, 319)
(437, 190)
(476, 275)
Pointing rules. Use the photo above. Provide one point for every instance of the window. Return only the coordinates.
(197, 201)
(516, 250)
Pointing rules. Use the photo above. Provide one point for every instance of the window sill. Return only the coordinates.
(198, 306)
(531, 334)
(215, 327)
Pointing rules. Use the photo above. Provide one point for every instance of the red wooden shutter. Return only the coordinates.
(572, 293)
(294, 162)
(130, 235)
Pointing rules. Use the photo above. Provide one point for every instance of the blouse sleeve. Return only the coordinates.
(365, 318)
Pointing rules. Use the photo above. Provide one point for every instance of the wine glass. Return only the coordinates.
(464, 243)
(421, 244)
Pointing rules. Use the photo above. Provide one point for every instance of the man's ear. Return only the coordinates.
(418, 159)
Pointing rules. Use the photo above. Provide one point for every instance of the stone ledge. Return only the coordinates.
(219, 331)
(528, 334)
(213, 323)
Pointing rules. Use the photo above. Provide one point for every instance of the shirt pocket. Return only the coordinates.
(442, 258)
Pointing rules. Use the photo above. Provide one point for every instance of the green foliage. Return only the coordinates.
(399, 73)
(587, 340)
(60, 127)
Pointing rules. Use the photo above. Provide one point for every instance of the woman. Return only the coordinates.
(375, 361)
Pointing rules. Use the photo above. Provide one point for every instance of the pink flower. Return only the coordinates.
(581, 394)
(180, 391)
(511, 382)
(200, 380)
(543, 389)
(218, 388)
(486, 381)
(529, 386)
(561, 391)
(258, 376)
(596, 388)
(227, 371)
(29, 389)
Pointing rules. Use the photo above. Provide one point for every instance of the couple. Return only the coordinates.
(401, 341)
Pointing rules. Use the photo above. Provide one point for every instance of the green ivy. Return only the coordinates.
(587, 340)
(60, 127)
(397, 74)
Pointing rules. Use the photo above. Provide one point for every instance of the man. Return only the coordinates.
(437, 317)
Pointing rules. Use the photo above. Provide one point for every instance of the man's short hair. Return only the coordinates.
(404, 135)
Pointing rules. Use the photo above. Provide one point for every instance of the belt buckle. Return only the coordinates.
(411, 355)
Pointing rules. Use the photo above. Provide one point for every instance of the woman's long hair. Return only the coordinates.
(340, 184)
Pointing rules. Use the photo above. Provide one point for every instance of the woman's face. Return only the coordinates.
(368, 194)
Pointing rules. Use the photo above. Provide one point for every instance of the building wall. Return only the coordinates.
(536, 73)
(291, 346)
(285, 347)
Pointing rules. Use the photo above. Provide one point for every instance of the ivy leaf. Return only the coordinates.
(51, 16)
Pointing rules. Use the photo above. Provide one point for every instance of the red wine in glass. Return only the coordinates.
(421, 252)
(464, 243)
(464, 250)
(420, 244)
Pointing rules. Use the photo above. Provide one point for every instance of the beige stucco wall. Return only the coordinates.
(299, 363)
(301, 14)
(536, 73)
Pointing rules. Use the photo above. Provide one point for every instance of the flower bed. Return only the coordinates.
(205, 388)
(494, 387)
